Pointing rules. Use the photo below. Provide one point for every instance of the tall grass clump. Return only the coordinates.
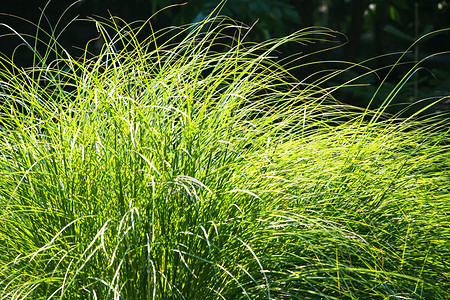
(197, 167)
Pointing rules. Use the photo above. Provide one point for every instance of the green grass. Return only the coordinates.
(202, 169)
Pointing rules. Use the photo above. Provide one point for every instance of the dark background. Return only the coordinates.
(373, 28)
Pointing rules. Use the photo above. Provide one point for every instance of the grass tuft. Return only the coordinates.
(201, 169)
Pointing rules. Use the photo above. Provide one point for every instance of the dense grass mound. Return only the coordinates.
(201, 169)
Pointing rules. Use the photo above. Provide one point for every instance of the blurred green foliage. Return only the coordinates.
(373, 27)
